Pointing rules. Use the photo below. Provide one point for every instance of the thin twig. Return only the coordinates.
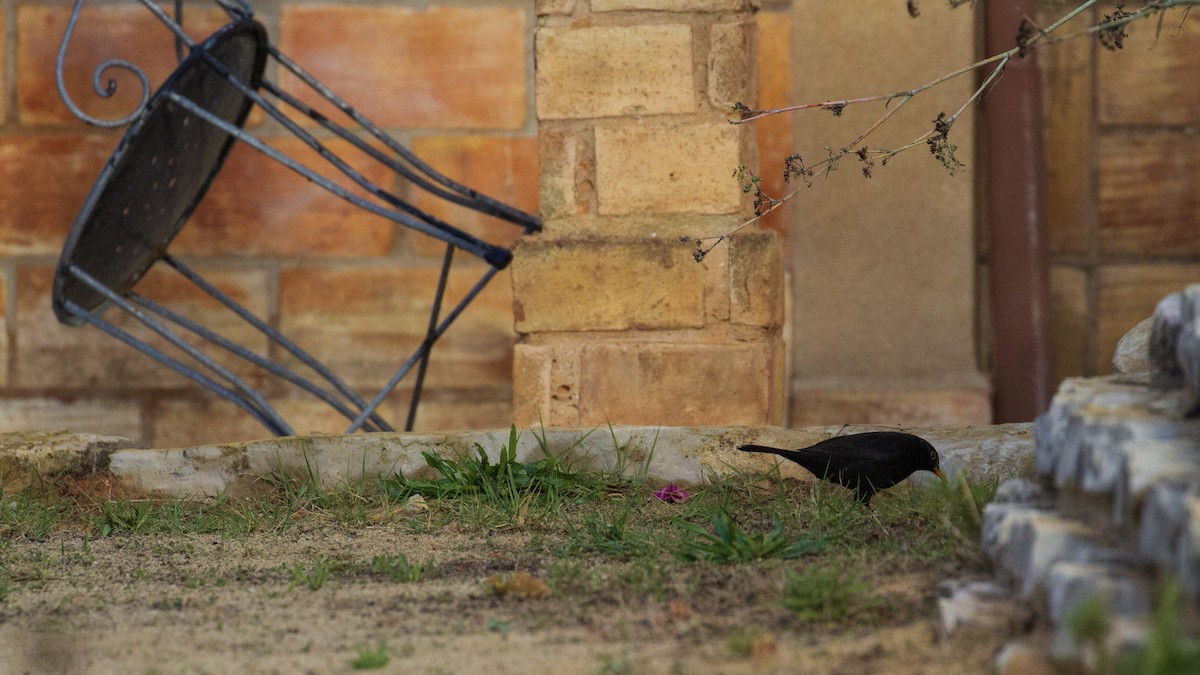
(1039, 37)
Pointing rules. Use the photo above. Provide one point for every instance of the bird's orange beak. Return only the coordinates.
(938, 472)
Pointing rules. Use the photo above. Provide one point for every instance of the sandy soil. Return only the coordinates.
(215, 604)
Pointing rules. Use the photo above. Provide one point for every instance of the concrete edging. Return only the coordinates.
(685, 455)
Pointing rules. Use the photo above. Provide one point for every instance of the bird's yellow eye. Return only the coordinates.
(933, 455)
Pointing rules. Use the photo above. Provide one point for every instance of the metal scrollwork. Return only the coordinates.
(103, 89)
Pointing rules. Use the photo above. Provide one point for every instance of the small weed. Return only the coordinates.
(399, 569)
(728, 543)
(1168, 650)
(313, 576)
(613, 665)
(371, 659)
(822, 593)
(22, 515)
(498, 626)
(743, 639)
(609, 536)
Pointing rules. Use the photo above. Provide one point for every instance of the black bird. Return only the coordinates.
(865, 463)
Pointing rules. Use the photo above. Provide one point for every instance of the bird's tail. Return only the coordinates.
(790, 454)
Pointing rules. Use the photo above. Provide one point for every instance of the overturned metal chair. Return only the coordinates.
(175, 145)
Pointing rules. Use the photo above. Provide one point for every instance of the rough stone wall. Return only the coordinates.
(617, 321)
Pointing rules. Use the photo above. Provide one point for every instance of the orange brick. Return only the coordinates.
(775, 134)
(187, 422)
(258, 206)
(461, 411)
(657, 167)
(641, 383)
(606, 286)
(1152, 80)
(603, 71)
(127, 32)
(442, 67)
(110, 416)
(43, 182)
(365, 322)
(50, 354)
(3, 67)
(1149, 193)
(503, 168)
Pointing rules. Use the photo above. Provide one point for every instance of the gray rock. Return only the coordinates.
(1187, 348)
(1187, 562)
(1018, 658)
(1166, 325)
(1165, 519)
(1069, 583)
(1149, 462)
(983, 605)
(1133, 351)
(1022, 491)
(1025, 542)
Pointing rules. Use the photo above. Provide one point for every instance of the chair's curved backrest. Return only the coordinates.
(159, 173)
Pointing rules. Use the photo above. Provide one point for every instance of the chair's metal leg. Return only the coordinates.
(276, 337)
(182, 345)
(492, 254)
(267, 419)
(487, 204)
(404, 369)
(430, 338)
(247, 355)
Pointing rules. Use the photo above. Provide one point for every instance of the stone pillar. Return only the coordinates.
(616, 321)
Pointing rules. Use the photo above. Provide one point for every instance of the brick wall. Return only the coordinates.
(1124, 183)
(617, 323)
(452, 80)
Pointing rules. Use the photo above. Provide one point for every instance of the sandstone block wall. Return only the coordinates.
(617, 322)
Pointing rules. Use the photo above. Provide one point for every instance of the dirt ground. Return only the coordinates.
(221, 604)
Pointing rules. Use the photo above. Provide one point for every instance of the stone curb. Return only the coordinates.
(685, 455)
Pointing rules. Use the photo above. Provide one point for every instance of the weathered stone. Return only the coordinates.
(29, 458)
(1017, 658)
(1070, 583)
(1187, 565)
(1094, 425)
(996, 451)
(1025, 542)
(1125, 597)
(1165, 518)
(686, 455)
(983, 605)
(1187, 350)
(1133, 351)
(1149, 462)
(1023, 492)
